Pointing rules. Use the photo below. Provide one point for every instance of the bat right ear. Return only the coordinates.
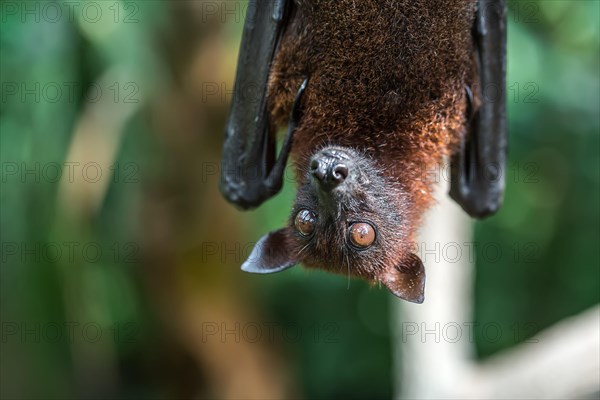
(272, 253)
(407, 281)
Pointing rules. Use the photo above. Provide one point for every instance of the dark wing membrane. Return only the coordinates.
(478, 168)
(249, 148)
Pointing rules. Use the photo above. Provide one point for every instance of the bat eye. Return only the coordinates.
(362, 234)
(305, 222)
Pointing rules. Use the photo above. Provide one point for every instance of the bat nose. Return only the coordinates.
(329, 172)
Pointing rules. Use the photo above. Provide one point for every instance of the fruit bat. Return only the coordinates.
(375, 95)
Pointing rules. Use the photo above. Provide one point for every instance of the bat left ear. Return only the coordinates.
(407, 280)
(271, 253)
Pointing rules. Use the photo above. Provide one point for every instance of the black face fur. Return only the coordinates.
(343, 187)
(363, 196)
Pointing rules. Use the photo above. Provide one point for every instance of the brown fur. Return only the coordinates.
(386, 78)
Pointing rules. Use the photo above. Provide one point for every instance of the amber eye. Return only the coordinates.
(305, 222)
(362, 234)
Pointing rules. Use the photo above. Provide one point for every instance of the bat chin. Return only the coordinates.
(332, 196)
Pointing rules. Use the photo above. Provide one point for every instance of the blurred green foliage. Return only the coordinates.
(548, 229)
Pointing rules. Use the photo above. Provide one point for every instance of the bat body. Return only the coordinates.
(379, 92)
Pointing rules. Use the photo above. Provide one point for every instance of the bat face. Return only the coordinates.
(347, 219)
(346, 215)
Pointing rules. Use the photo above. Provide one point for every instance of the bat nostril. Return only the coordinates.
(314, 165)
(318, 169)
(339, 173)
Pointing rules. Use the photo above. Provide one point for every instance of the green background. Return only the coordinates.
(165, 232)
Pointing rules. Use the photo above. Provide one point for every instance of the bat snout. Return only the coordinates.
(328, 172)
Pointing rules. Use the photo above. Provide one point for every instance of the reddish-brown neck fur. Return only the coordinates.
(386, 78)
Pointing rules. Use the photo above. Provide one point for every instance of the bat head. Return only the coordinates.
(347, 219)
